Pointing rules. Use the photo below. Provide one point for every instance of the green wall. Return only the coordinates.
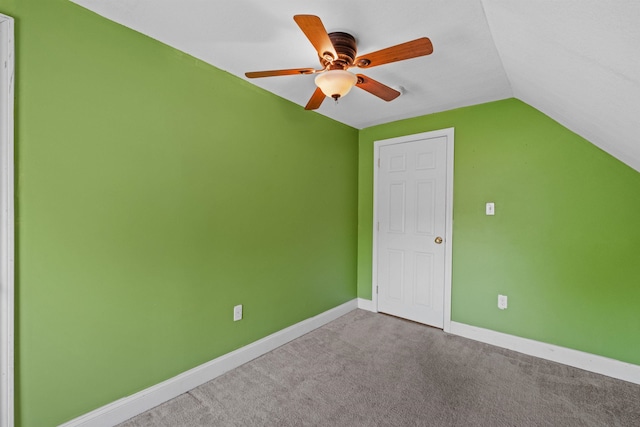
(154, 193)
(563, 245)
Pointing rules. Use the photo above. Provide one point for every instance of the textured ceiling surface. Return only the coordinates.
(576, 61)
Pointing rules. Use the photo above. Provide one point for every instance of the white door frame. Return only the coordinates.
(6, 222)
(448, 214)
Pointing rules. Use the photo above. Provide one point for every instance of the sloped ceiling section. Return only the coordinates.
(576, 61)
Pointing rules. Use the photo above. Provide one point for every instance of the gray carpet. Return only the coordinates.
(368, 369)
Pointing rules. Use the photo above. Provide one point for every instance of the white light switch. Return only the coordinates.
(490, 209)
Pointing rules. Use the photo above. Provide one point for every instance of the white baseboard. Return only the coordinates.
(365, 304)
(128, 407)
(578, 359)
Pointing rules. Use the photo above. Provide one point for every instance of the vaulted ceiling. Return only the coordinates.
(578, 61)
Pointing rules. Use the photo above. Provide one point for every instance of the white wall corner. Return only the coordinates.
(128, 407)
(578, 359)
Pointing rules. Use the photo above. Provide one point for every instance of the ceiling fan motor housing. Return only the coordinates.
(345, 46)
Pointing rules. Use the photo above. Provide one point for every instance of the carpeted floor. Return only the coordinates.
(367, 369)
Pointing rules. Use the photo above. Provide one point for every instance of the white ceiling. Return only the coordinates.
(577, 61)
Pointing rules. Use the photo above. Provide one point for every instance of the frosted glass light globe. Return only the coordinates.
(336, 83)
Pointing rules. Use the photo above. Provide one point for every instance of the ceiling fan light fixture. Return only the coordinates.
(336, 83)
(337, 52)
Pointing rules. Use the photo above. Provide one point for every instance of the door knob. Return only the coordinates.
(438, 240)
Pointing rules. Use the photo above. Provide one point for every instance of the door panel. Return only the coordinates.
(397, 207)
(425, 216)
(396, 275)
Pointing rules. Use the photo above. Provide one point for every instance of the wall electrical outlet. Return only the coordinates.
(502, 302)
(237, 313)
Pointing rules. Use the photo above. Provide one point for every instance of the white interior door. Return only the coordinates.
(412, 240)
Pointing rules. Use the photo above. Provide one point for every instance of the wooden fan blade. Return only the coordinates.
(400, 52)
(272, 73)
(316, 100)
(313, 28)
(376, 88)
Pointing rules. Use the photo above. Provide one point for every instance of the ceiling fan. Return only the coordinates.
(337, 53)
